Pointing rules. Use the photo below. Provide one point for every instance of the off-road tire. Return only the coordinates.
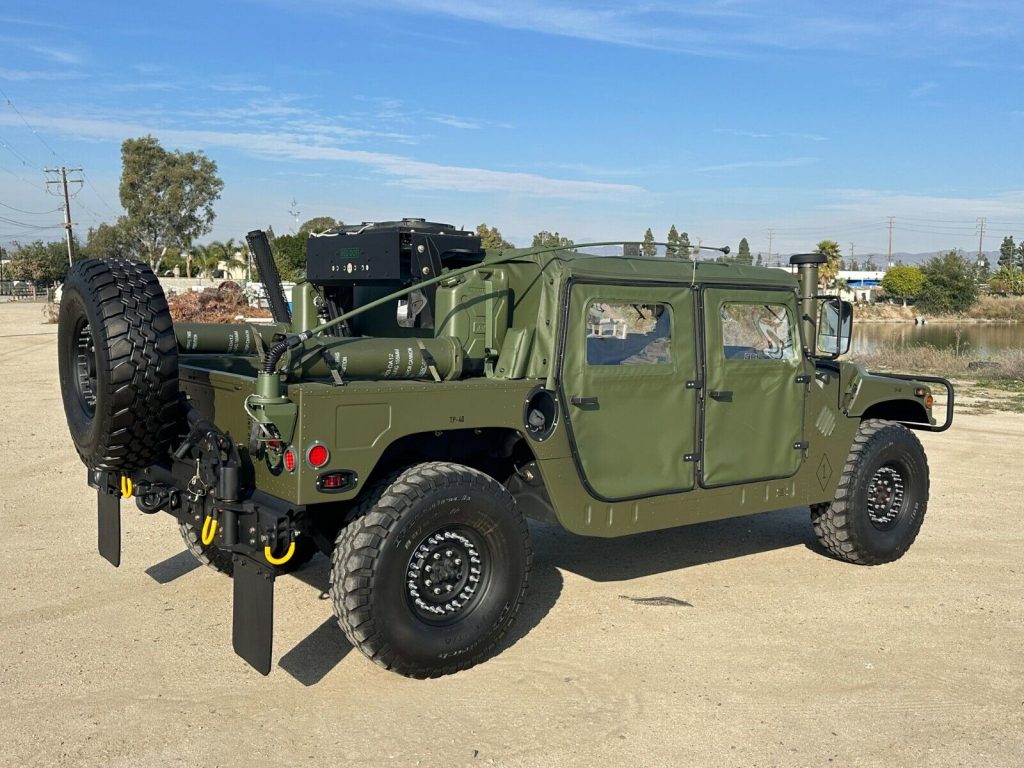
(118, 362)
(221, 561)
(398, 521)
(886, 461)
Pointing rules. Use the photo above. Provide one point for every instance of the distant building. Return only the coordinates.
(861, 284)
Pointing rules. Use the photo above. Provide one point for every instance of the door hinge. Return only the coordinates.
(695, 384)
(801, 446)
(804, 378)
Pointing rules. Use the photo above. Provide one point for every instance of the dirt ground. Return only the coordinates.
(733, 643)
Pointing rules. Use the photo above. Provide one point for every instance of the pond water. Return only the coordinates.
(976, 338)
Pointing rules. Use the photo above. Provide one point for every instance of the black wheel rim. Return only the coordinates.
(886, 496)
(447, 575)
(83, 364)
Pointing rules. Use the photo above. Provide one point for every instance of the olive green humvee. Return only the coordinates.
(421, 396)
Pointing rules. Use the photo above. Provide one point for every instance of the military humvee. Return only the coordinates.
(421, 396)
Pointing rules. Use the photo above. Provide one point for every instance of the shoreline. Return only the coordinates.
(942, 319)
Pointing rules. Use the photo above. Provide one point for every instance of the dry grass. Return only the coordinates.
(998, 308)
(225, 305)
(1005, 366)
(987, 309)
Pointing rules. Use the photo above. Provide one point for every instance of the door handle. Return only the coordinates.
(722, 395)
(583, 402)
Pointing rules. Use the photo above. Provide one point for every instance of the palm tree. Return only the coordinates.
(230, 253)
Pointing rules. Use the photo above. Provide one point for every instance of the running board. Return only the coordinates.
(252, 630)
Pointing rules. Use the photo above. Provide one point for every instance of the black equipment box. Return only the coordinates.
(389, 252)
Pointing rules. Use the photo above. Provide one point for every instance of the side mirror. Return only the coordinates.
(835, 327)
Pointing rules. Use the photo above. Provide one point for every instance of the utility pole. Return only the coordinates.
(851, 250)
(771, 234)
(67, 203)
(891, 220)
(294, 212)
(981, 236)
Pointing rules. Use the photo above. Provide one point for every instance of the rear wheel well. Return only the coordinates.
(897, 410)
(495, 451)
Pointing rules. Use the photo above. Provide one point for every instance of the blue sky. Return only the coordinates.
(596, 119)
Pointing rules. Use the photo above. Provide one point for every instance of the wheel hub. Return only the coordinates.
(885, 497)
(85, 368)
(444, 575)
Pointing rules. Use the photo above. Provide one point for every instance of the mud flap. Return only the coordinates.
(252, 631)
(109, 526)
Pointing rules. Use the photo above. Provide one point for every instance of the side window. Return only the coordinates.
(757, 332)
(628, 334)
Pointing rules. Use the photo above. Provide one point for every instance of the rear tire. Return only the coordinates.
(221, 560)
(118, 362)
(881, 499)
(209, 555)
(430, 577)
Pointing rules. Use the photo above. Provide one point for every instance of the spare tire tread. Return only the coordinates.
(137, 355)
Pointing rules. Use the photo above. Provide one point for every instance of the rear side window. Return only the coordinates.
(757, 332)
(628, 334)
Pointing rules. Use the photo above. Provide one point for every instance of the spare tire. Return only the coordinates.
(118, 364)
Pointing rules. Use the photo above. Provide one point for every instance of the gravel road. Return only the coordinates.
(734, 643)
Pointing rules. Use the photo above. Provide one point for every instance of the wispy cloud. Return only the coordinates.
(14, 20)
(43, 50)
(1007, 206)
(227, 86)
(726, 28)
(455, 122)
(748, 134)
(791, 162)
(923, 89)
(807, 136)
(743, 133)
(403, 171)
(142, 85)
(465, 123)
(37, 74)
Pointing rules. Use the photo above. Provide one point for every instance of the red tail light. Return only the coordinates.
(318, 455)
(289, 460)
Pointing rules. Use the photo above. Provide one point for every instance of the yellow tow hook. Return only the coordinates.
(209, 530)
(269, 556)
(126, 487)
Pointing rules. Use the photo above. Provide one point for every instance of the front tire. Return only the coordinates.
(881, 499)
(430, 577)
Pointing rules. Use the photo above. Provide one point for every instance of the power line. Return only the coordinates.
(13, 222)
(30, 213)
(33, 131)
(6, 145)
(23, 179)
(97, 193)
